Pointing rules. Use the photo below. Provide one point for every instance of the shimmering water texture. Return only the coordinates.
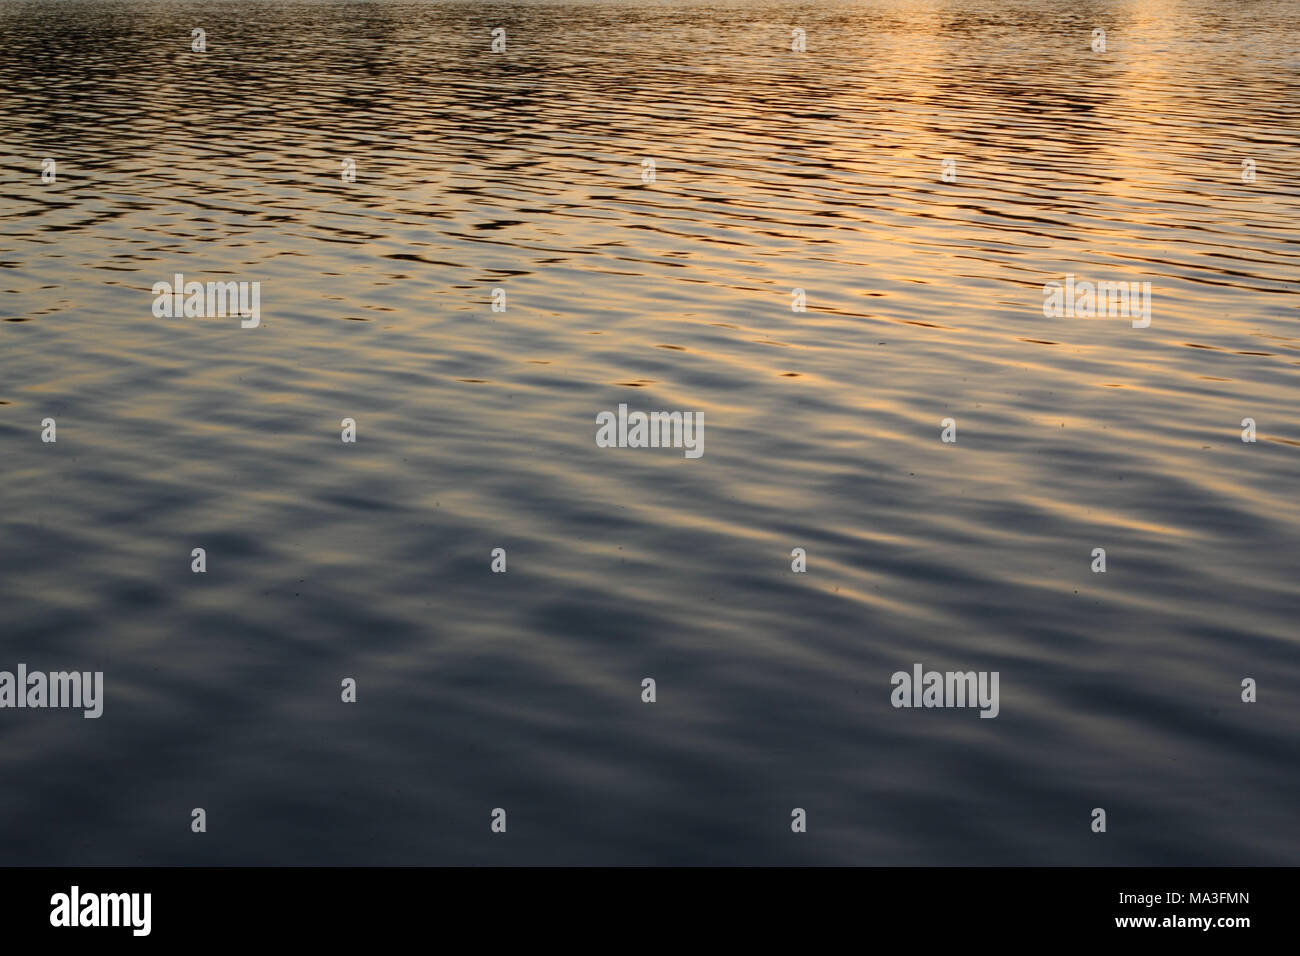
(775, 170)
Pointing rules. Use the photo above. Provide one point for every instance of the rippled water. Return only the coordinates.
(774, 171)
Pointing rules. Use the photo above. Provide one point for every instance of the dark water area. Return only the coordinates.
(775, 170)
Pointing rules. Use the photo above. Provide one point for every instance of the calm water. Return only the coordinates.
(775, 170)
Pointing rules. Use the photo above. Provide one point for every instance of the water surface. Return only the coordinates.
(774, 171)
